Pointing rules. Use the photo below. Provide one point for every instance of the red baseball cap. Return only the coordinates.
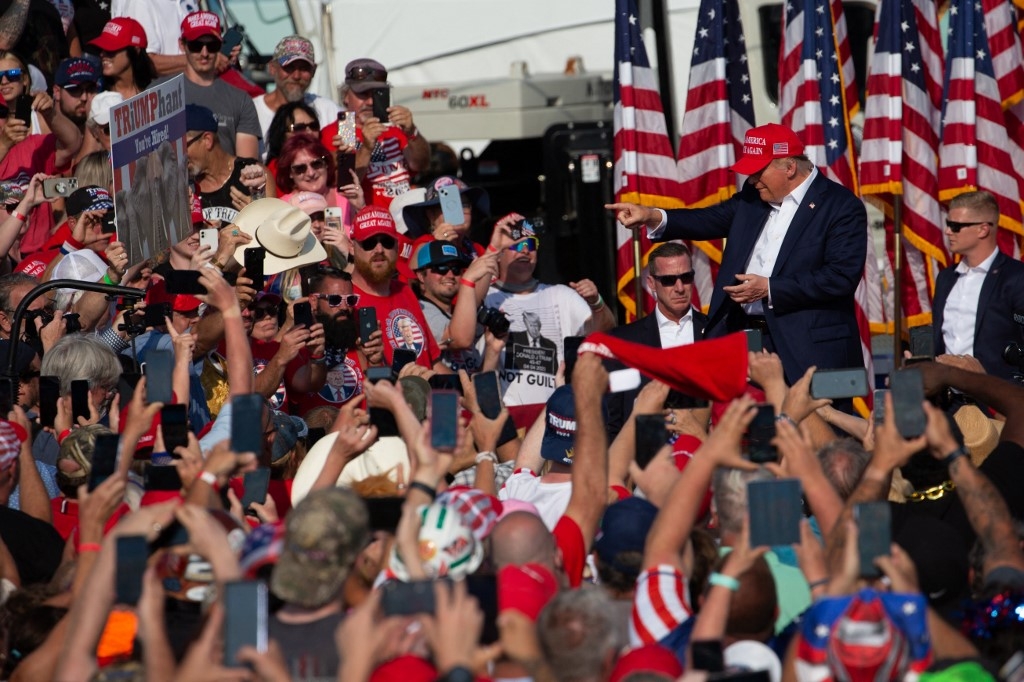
(184, 302)
(371, 221)
(199, 24)
(650, 658)
(119, 33)
(763, 144)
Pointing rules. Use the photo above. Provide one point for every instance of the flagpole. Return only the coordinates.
(638, 285)
(897, 313)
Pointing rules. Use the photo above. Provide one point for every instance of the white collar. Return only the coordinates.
(962, 268)
(663, 321)
(798, 193)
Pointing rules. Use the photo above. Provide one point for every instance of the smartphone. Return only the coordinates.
(375, 374)
(174, 427)
(381, 102)
(247, 423)
(760, 434)
(383, 420)
(253, 263)
(211, 238)
(154, 314)
(132, 555)
(776, 508)
(444, 419)
(367, 323)
(922, 341)
(651, 436)
(246, 609)
(878, 408)
(104, 459)
(49, 394)
(158, 368)
(907, 389)
(874, 535)
(346, 165)
(570, 351)
(109, 225)
(255, 484)
(161, 477)
(332, 216)
(347, 128)
(451, 204)
(232, 39)
(488, 393)
(59, 187)
(623, 380)
(707, 655)
(400, 357)
(79, 400)
(446, 382)
(183, 282)
(755, 342)
(303, 314)
(839, 383)
(23, 112)
(407, 598)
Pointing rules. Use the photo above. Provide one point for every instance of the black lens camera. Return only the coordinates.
(1013, 354)
(494, 320)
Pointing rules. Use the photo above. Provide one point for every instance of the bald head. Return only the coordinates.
(522, 538)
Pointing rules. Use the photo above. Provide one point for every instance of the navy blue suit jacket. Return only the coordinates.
(645, 330)
(812, 319)
(1002, 295)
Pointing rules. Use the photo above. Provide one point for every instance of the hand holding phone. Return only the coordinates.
(381, 103)
(444, 420)
(367, 323)
(232, 39)
(451, 205)
(253, 262)
(303, 314)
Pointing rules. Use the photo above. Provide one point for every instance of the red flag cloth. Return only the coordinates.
(713, 370)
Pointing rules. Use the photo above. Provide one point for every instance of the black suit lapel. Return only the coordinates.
(988, 288)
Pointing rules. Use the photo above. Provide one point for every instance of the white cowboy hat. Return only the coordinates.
(283, 230)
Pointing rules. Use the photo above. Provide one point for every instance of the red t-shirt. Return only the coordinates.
(344, 382)
(388, 173)
(34, 154)
(402, 322)
(569, 539)
(262, 353)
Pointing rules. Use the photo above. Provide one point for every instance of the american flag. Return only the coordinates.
(817, 99)
(719, 111)
(645, 166)
(981, 119)
(899, 154)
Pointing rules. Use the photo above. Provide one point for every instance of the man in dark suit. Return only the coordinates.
(674, 322)
(795, 254)
(975, 300)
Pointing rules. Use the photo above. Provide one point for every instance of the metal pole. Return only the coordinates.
(897, 312)
(659, 23)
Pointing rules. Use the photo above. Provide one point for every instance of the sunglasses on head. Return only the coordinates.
(384, 240)
(446, 268)
(315, 164)
(670, 280)
(80, 90)
(365, 73)
(196, 46)
(335, 300)
(303, 127)
(11, 74)
(528, 245)
(955, 226)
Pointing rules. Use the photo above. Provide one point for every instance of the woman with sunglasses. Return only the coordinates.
(289, 120)
(15, 82)
(306, 165)
(127, 68)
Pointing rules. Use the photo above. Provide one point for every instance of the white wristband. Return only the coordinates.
(481, 456)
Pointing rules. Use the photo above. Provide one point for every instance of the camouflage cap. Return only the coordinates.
(323, 536)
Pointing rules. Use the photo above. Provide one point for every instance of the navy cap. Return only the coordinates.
(90, 198)
(199, 118)
(75, 71)
(560, 427)
(624, 528)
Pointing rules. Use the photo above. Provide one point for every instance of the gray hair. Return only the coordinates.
(844, 461)
(82, 356)
(578, 634)
(730, 495)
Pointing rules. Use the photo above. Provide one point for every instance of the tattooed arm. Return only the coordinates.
(12, 23)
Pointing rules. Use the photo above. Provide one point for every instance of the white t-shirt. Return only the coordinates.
(528, 363)
(326, 113)
(161, 20)
(551, 499)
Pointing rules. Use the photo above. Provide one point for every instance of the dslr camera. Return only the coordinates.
(493, 320)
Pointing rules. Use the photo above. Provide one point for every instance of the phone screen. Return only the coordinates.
(651, 436)
(760, 434)
(23, 108)
(776, 508)
(245, 618)
(488, 393)
(346, 165)
(407, 598)
(401, 357)
(79, 399)
(232, 39)
(49, 394)
(755, 342)
(922, 341)
(161, 477)
(247, 423)
(381, 102)
(444, 419)
(174, 427)
(907, 389)
(104, 459)
(839, 383)
(158, 369)
(132, 554)
(253, 263)
(183, 282)
(255, 484)
(874, 535)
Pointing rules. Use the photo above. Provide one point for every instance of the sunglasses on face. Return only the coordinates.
(11, 74)
(365, 73)
(382, 239)
(529, 245)
(670, 280)
(445, 269)
(79, 91)
(196, 46)
(955, 226)
(315, 164)
(303, 127)
(335, 300)
(261, 311)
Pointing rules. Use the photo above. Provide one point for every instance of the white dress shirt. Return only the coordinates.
(674, 333)
(961, 312)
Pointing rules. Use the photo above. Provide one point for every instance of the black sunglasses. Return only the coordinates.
(335, 300)
(194, 139)
(670, 280)
(80, 90)
(955, 227)
(303, 127)
(445, 269)
(261, 311)
(196, 46)
(382, 239)
(315, 164)
(365, 73)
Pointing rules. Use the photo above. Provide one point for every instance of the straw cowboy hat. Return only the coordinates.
(283, 230)
(981, 434)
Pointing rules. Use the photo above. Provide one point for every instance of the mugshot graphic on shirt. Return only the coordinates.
(342, 383)
(404, 331)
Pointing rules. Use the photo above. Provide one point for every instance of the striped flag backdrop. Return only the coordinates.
(645, 166)
(719, 111)
(899, 153)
